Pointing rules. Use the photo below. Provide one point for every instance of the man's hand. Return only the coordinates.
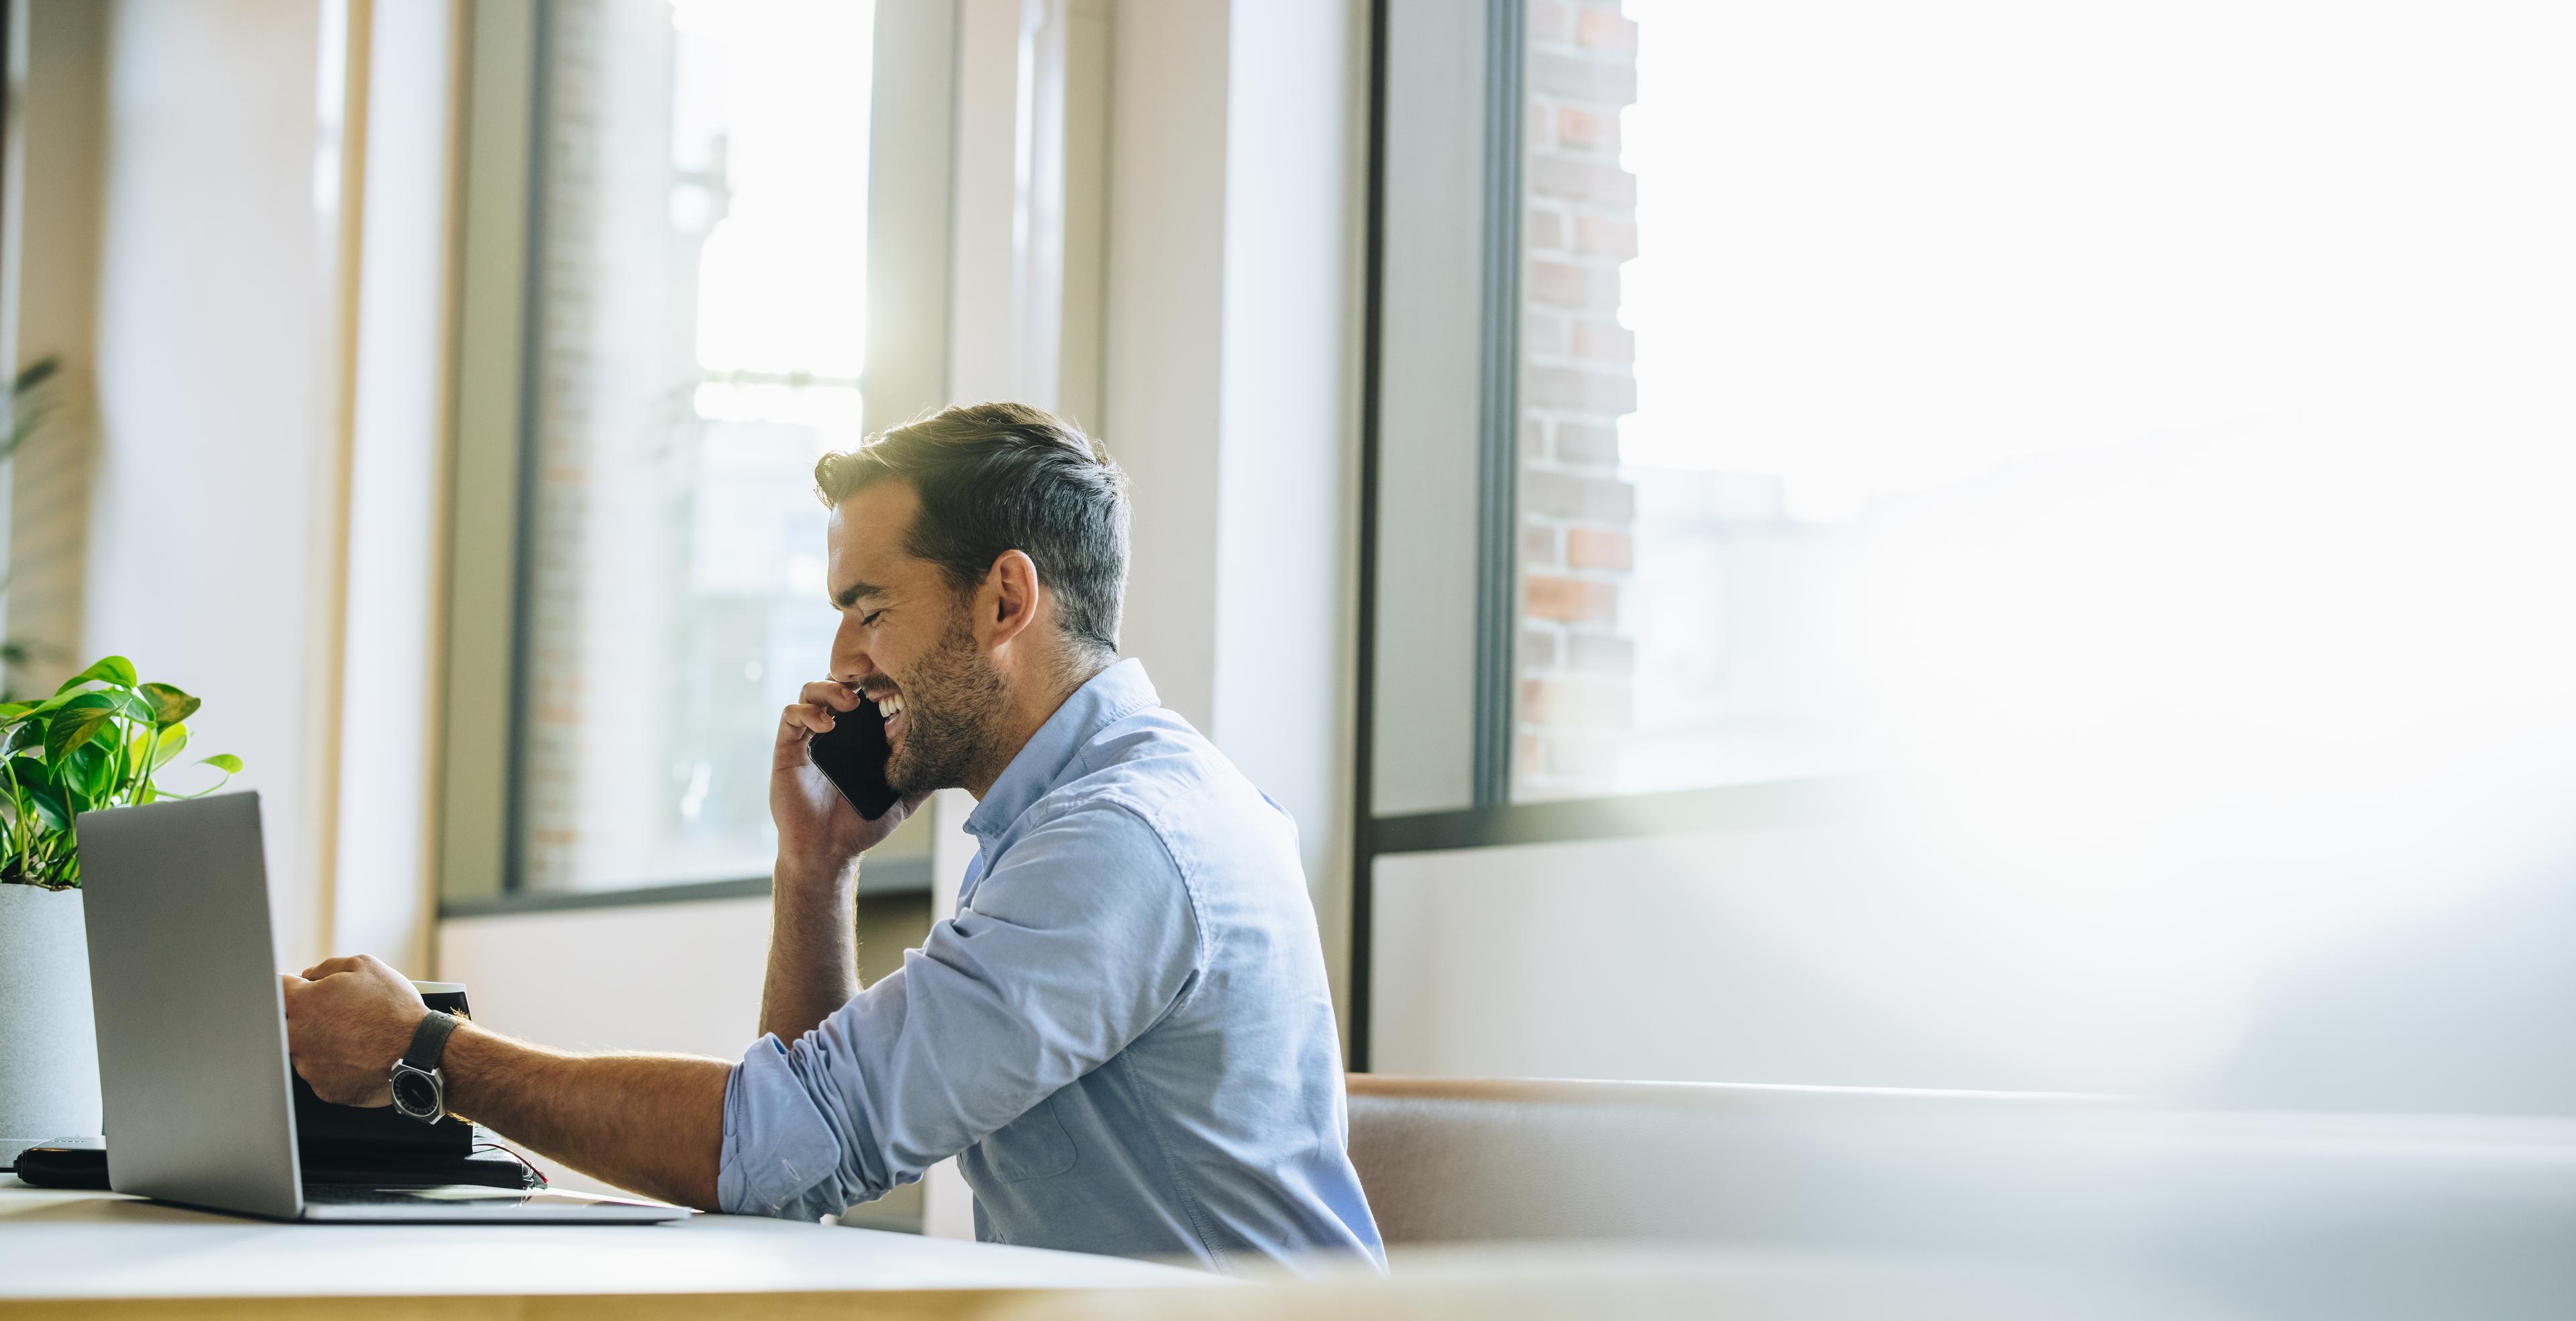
(819, 833)
(347, 1021)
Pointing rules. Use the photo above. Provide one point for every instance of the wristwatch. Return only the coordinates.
(419, 1091)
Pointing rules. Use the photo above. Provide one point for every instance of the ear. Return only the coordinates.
(1007, 603)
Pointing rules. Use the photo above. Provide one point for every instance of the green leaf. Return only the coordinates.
(169, 705)
(168, 742)
(75, 725)
(92, 773)
(110, 701)
(49, 805)
(106, 669)
(23, 735)
(35, 374)
(223, 761)
(13, 710)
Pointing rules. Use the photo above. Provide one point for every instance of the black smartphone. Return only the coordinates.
(852, 755)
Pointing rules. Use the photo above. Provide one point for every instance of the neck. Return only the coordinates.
(1026, 711)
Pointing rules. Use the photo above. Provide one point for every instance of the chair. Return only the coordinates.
(1451, 1161)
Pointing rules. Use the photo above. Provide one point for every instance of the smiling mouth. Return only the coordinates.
(890, 710)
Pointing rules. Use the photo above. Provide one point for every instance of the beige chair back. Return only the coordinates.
(1450, 1161)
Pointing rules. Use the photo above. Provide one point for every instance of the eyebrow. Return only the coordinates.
(849, 596)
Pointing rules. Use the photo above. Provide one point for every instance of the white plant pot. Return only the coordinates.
(48, 1042)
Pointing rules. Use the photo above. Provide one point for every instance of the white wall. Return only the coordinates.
(613, 978)
(397, 450)
(670, 977)
(1782, 955)
(1166, 322)
(1287, 467)
(271, 332)
(210, 550)
(1230, 388)
(1861, 951)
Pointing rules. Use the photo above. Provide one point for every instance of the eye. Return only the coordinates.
(869, 620)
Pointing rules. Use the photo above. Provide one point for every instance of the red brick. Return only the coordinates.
(1593, 548)
(1583, 442)
(1570, 284)
(1605, 654)
(1610, 80)
(1594, 183)
(1543, 229)
(1576, 390)
(1599, 339)
(1585, 130)
(1594, 499)
(1559, 703)
(1540, 547)
(1546, 334)
(1606, 236)
(1569, 600)
(1550, 22)
(1603, 29)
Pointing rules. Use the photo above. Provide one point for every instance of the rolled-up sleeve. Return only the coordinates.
(1080, 938)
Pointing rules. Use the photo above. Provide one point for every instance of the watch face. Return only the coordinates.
(415, 1094)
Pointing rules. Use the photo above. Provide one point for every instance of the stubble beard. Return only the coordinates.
(951, 706)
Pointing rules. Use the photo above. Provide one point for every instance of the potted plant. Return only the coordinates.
(99, 741)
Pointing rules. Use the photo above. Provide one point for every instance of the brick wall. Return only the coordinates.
(1577, 378)
(592, 773)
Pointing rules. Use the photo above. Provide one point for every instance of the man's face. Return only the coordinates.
(907, 642)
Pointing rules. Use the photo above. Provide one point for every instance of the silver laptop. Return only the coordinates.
(192, 1033)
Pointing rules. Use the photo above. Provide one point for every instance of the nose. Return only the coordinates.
(850, 660)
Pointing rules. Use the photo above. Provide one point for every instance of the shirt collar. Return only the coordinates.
(1108, 697)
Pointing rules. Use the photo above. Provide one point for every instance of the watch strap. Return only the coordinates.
(429, 1041)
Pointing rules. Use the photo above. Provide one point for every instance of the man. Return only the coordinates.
(1124, 1035)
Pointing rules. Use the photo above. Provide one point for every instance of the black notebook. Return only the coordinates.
(82, 1163)
(346, 1134)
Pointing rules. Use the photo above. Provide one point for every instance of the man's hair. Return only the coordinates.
(1000, 477)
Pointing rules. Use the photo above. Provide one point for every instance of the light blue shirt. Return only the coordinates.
(1125, 1035)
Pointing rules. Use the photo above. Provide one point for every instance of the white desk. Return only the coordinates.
(99, 1254)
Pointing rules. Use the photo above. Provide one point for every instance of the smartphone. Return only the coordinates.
(852, 755)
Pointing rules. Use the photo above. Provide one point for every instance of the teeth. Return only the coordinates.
(891, 707)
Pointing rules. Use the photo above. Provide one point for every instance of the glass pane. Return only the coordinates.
(1790, 272)
(699, 343)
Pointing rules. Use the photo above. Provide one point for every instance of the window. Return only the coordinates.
(700, 310)
(1763, 317)
(1993, 463)
(669, 213)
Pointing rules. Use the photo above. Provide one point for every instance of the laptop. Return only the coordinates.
(192, 1034)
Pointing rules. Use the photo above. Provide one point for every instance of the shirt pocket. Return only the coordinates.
(1033, 1146)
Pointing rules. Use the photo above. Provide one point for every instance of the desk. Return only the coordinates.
(88, 1254)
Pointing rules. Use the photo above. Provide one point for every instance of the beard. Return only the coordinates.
(952, 705)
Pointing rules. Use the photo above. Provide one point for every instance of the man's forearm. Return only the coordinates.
(652, 1123)
(813, 949)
